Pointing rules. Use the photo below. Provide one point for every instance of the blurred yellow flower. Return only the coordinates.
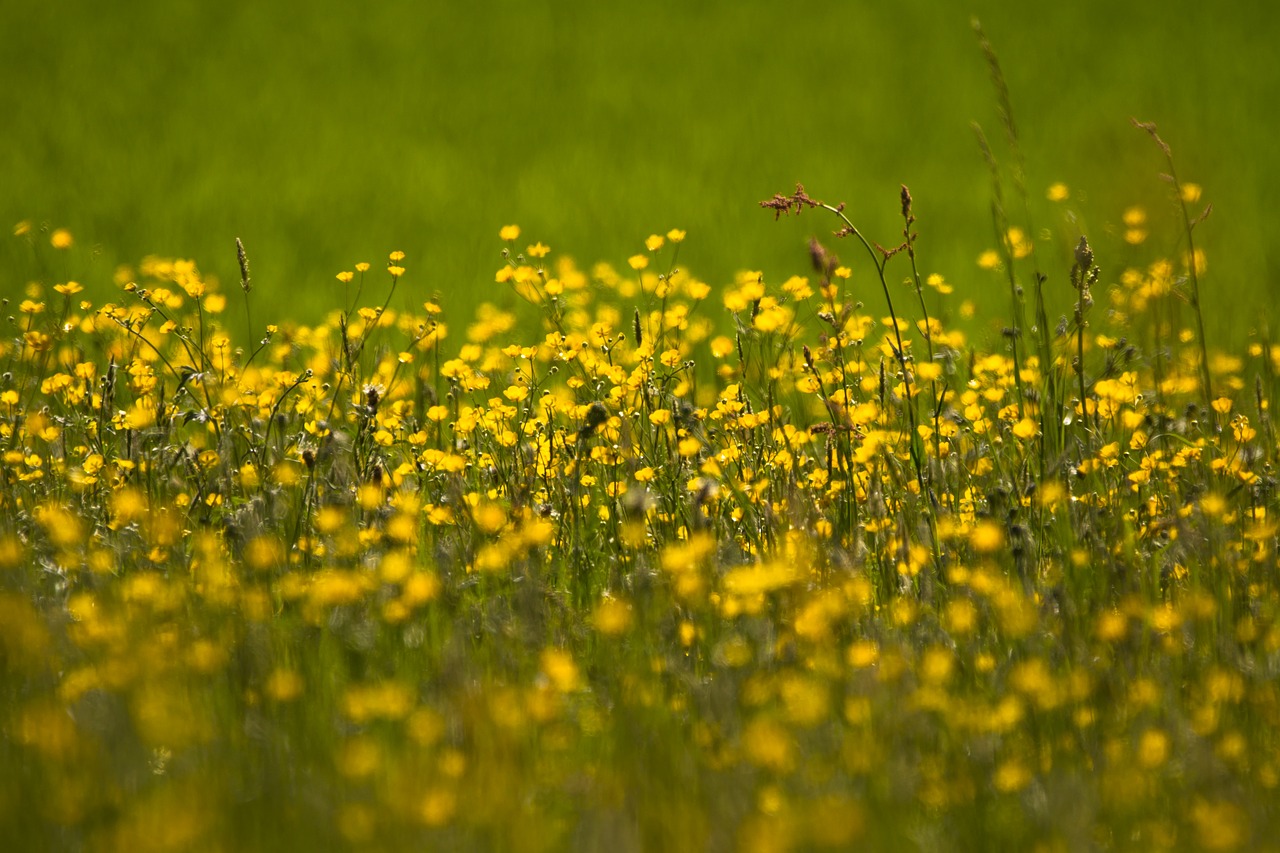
(612, 616)
(558, 667)
(987, 537)
(283, 685)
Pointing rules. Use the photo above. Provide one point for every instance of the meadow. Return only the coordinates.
(617, 581)
(834, 551)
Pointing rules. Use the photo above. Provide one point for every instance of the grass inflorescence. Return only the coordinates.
(640, 564)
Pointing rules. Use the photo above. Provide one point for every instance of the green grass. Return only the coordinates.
(335, 135)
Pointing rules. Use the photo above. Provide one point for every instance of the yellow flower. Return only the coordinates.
(638, 262)
(61, 239)
(753, 580)
(437, 806)
(1222, 405)
(928, 371)
(1134, 219)
(1010, 776)
(1026, 428)
(509, 233)
(938, 283)
(1019, 242)
(283, 685)
(559, 669)
(987, 537)
(770, 316)
(769, 744)
(697, 290)
(1219, 825)
(1058, 192)
(721, 346)
(807, 701)
(388, 700)
(612, 616)
(1153, 748)
(141, 415)
(489, 517)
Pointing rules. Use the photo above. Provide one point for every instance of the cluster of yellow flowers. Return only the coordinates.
(623, 565)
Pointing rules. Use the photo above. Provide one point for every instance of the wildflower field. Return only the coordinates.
(654, 565)
(629, 560)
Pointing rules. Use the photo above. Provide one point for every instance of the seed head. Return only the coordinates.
(245, 284)
(1084, 255)
(824, 263)
(596, 415)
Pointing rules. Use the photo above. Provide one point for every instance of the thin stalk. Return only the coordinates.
(1001, 224)
(1206, 381)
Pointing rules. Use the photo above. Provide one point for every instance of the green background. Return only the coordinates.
(327, 133)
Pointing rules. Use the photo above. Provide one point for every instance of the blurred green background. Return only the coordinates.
(331, 132)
